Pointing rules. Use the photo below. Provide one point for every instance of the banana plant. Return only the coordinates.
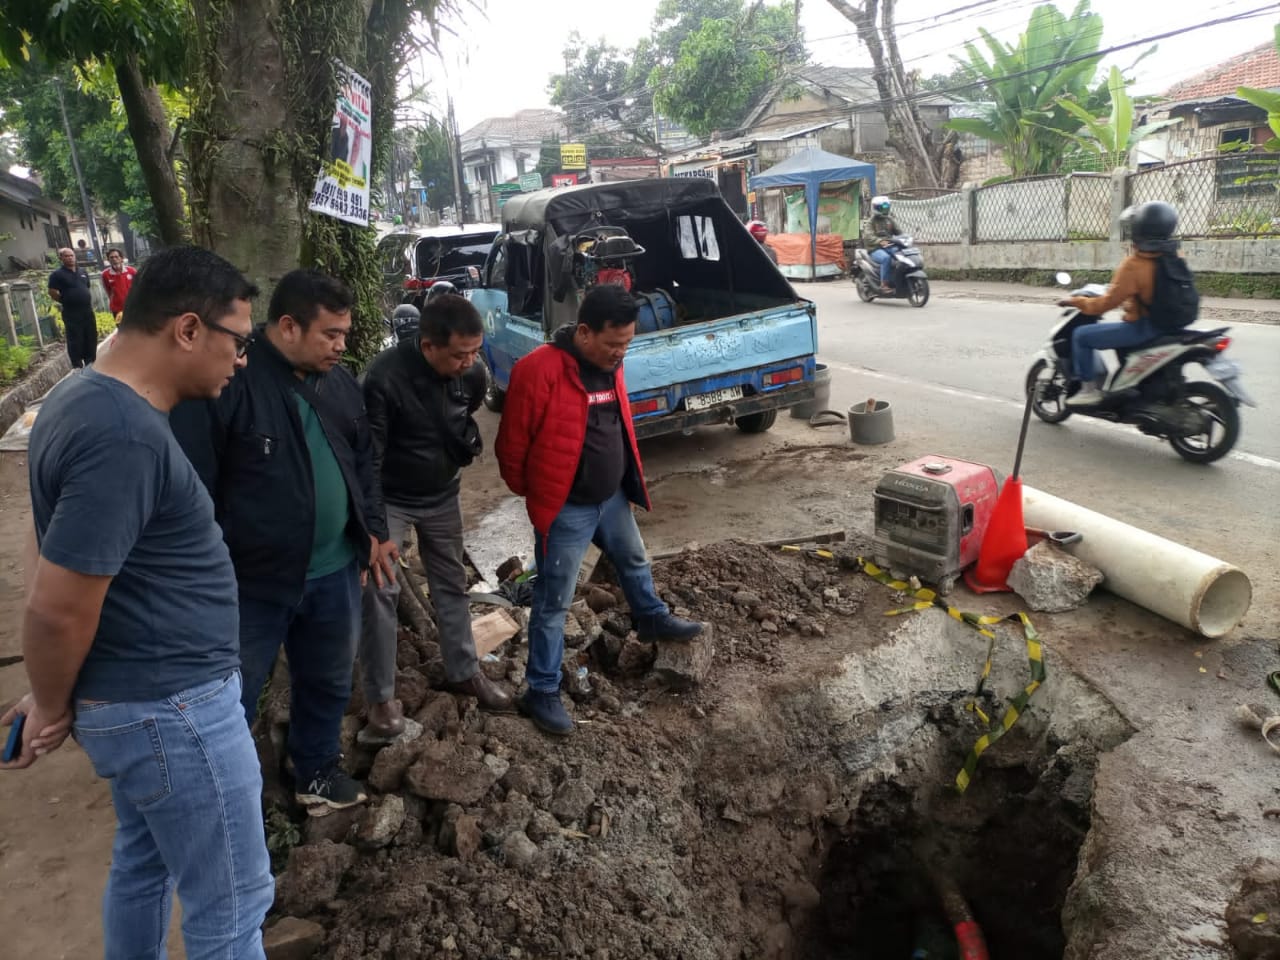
(1021, 87)
(1115, 136)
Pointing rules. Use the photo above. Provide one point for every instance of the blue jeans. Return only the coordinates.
(1105, 336)
(188, 800)
(613, 528)
(883, 257)
(320, 633)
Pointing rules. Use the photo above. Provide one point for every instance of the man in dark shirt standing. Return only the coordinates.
(286, 453)
(131, 618)
(420, 395)
(567, 445)
(69, 286)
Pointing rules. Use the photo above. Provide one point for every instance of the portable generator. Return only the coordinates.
(931, 516)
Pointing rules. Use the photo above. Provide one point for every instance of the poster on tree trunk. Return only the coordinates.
(342, 188)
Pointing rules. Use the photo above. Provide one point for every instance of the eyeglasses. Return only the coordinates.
(242, 342)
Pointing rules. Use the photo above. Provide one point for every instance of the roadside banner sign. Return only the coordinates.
(342, 188)
(530, 181)
(573, 156)
(564, 179)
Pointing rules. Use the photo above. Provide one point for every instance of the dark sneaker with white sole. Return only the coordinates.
(333, 789)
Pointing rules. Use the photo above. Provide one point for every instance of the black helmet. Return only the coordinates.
(1149, 225)
(404, 322)
(441, 288)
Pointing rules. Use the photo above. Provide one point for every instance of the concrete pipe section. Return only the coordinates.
(1200, 592)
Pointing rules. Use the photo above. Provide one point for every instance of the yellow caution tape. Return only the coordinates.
(927, 599)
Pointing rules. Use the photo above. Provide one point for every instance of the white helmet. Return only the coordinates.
(880, 204)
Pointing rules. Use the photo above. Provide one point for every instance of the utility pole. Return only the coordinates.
(455, 158)
(90, 219)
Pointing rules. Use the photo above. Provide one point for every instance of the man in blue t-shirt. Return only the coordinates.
(69, 287)
(130, 631)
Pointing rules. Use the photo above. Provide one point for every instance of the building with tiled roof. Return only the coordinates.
(1258, 68)
(1212, 114)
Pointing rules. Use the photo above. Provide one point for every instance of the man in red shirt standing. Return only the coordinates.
(568, 446)
(116, 280)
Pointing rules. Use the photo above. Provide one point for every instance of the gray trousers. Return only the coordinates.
(439, 531)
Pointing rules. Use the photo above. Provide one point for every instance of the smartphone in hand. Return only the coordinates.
(13, 746)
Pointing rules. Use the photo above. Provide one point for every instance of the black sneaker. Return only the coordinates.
(333, 789)
(666, 626)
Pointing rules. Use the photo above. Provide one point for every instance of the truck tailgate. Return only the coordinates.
(718, 349)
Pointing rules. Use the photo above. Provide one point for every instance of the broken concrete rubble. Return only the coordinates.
(313, 875)
(1051, 580)
(451, 772)
(685, 665)
(291, 938)
(1253, 916)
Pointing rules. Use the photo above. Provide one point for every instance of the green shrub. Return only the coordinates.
(14, 360)
(106, 323)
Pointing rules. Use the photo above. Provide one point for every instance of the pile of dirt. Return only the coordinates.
(752, 594)
(675, 823)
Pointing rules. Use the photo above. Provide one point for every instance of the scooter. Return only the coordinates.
(1150, 390)
(906, 274)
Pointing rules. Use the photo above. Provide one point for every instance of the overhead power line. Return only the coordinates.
(1064, 62)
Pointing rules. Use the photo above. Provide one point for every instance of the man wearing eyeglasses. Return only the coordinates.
(287, 454)
(130, 631)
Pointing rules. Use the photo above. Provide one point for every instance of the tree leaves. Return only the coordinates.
(1024, 87)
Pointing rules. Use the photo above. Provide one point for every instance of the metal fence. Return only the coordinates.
(1232, 195)
(1074, 207)
(939, 219)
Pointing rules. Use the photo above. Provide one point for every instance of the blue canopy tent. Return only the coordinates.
(811, 169)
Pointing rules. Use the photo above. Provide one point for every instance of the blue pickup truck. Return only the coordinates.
(722, 337)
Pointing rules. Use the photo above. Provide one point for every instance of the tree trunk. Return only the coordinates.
(149, 130)
(246, 205)
(908, 134)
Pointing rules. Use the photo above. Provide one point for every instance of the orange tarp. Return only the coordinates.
(793, 248)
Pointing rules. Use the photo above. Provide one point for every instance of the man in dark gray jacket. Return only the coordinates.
(420, 396)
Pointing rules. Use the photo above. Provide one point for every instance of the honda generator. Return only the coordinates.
(931, 516)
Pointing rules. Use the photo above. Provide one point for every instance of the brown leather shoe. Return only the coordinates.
(490, 696)
(386, 720)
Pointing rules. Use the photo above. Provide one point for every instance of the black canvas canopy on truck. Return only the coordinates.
(692, 239)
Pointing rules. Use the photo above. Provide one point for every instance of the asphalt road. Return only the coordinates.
(954, 372)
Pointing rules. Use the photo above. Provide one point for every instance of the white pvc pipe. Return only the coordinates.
(1200, 592)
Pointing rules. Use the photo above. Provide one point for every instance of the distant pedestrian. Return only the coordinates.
(287, 455)
(131, 619)
(69, 287)
(568, 446)
(420, 395)
(116, 280)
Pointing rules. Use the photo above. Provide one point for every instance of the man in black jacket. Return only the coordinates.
(420, 395)
(287, 456)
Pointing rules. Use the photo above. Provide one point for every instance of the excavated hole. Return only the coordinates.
(1008, 846)
(798, 806)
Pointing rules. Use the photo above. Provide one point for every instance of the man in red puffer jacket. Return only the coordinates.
(567, 445)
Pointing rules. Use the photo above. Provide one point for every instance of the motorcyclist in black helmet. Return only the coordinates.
(404, 322)
(1150, 227)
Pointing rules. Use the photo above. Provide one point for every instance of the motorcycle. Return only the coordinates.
(1150, 389)
(906, 274)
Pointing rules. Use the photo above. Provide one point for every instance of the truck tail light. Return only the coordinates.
(413, 283)
(784, 376)
(652, 405)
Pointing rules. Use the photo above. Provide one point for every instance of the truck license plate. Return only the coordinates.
(704, 400)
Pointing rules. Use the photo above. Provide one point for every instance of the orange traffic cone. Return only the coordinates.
(1006, 537)
(1004, 542)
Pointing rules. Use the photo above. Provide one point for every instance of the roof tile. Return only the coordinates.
(1259, 67)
